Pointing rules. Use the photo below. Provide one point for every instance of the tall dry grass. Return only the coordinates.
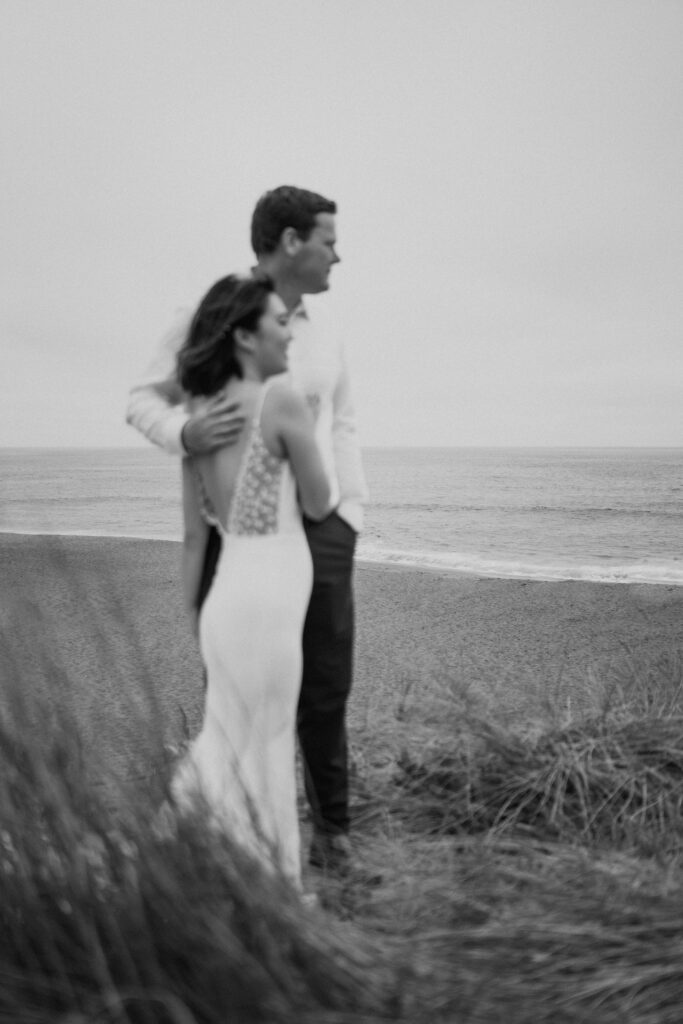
(113, 912)
(612, 778)
(107, 916)
(529, 874)
(598, 783)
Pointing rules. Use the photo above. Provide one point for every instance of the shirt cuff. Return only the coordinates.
(351, 513)
(172, 439)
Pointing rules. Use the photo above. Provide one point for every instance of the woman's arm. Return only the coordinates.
(292, 423)
(195, 536)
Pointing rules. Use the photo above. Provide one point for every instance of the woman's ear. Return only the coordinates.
(244, 340)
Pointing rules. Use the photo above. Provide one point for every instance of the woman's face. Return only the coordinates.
(273, 336)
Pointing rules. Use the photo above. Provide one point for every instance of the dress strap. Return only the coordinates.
(254, 509)
(258, 408)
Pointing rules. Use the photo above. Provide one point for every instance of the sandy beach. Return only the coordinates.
(99, 622)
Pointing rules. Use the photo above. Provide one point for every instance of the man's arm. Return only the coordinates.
(347, 457)
(156, 409)
(155, 402)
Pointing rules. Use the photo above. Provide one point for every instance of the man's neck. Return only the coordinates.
(286, 286)
(289, 293)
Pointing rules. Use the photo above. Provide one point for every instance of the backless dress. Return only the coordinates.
(250, 629)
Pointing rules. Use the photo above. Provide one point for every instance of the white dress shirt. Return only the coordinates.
(317, 368)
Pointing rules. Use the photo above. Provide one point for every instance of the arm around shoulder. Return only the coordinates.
(155, 402)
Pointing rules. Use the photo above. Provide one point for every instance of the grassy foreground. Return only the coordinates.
(531, 870)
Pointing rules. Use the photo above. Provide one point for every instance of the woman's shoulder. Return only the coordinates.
(284, 414)
(280, 396)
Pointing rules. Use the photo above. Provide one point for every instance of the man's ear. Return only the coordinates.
(244, 339)
(290, 241)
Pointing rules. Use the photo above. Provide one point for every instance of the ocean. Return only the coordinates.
(604, 514)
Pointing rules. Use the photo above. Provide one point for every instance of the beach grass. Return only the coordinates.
(529, 847)
(115, 908)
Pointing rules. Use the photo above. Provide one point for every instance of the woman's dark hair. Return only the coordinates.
(207, 358)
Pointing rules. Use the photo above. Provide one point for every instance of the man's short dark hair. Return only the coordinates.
(285, 207)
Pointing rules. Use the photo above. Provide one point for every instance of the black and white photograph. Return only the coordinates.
(341, 512)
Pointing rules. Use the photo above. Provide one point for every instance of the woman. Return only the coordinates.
(251, 623)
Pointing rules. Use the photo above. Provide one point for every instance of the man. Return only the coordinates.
(294, 238)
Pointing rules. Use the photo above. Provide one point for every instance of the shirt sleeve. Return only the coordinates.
(155, 403)
(353, 491)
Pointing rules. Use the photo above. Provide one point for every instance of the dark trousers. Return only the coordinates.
(327, 674)
(328, 666)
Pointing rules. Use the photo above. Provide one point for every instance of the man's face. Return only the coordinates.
(316, 256)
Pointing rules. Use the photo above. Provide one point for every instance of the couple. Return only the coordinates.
(255, 438)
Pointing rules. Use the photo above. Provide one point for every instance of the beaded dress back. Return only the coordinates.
(254, 508)
(255, 505)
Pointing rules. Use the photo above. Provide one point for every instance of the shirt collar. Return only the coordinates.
(300, 311)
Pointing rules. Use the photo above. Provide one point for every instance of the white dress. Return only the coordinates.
(250, 629)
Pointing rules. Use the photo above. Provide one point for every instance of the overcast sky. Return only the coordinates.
(508, 176)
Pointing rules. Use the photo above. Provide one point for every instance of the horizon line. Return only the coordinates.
(364, 447)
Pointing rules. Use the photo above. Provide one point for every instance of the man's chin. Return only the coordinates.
(319, 286)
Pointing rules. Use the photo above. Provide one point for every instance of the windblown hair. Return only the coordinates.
(285, 207)
(207, 359)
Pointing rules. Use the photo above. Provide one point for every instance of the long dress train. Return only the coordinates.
(243, 760)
